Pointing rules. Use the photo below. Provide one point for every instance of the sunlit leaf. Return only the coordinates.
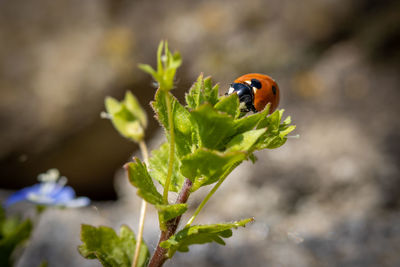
(135, 108)
(127, 116)
(169, 212)
(229, 104)
(245, 141)
(182, 121)
(200, 234)
(111, 250)
(167, 64)
(214, 127)
(202, 92)
(159, 168)
(248, 123)
(140, 178)
(205, 166)
(276, 133)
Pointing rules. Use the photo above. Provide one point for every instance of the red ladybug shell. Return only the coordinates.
(268, 93)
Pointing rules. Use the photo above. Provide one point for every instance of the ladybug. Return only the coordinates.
(255, 91)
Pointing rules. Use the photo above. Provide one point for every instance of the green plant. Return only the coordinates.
(14, 232)
(51, 191)
(205, 141)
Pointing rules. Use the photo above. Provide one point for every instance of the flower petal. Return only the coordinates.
(21, 195)
(63, 196)
(49, 193)
(78, 202)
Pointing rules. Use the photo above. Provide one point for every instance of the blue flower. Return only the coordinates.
(51, 191)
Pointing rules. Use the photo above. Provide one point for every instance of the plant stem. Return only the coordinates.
(171, 148)
(209, 195)
(159, 256)
(140, 233)
(145, 155)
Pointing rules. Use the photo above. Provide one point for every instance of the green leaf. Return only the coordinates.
(169, 212)
(13, 233)
(245, 141)
(288, 120)
(248, 123)
(132, 104)
(205, 167)
(149, 70)
(210, 91)
(193, 97)
(182, 121)
(159, 168)
(284, 132)
(276, 133)
(202, 92)
(285, 128)
(272, 121)
(129, 129)
(140, 178)
(253, 158)
(111, 250)
(112, 105)
(172, 63)
(200, 234)
(160, 67)
(127, 116)
(213, 127)
(229, 104)
(167, 64)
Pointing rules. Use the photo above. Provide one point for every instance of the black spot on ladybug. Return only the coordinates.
(256, 83)
(274, 90)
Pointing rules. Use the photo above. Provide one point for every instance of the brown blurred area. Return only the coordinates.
(337, 64)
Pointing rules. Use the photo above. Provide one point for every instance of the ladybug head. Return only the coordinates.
(245, 94)
(255, 91)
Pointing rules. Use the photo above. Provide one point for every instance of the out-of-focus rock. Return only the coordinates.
(330, 198)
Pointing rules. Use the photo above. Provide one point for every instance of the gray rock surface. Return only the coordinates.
(330, 198)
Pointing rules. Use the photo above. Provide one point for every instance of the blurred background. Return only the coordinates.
(330, 198)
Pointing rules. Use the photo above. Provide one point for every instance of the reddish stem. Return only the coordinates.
(159, 256)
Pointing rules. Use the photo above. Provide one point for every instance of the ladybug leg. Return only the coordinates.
(248, 102)
(250, 107)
